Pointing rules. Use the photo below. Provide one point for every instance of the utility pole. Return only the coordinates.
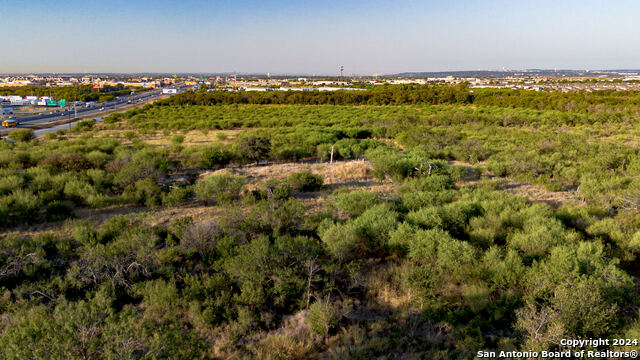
(75, 105)
(341, 70)
(331, 160)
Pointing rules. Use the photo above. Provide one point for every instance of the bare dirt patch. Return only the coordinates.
(537, 193)
(534, 192)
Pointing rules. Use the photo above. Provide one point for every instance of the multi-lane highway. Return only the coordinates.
(100, 109)
(97, 110)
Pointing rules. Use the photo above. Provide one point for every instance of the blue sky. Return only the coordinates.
(367, 37)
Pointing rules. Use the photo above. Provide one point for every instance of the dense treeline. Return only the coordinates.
(578, 101)
(70, 93)
(383, 96)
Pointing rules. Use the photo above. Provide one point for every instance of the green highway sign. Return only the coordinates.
(62, 103)
(51, 103)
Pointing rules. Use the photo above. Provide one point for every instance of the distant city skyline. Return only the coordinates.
(307, 37)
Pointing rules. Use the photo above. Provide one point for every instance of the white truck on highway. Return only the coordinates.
(170, 91)
(90, 104)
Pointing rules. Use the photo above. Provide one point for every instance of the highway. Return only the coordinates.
(99, 110)
(53, 129)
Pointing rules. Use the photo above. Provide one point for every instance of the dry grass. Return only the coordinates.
(196, 137)
(149, 217)
(162, 139)
(338, 173)
(537, 193)
(387, 284)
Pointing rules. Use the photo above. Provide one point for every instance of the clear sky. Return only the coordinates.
(315, 36)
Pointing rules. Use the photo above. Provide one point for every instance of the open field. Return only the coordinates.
(214, 225)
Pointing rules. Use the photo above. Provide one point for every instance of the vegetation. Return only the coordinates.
(136, 238)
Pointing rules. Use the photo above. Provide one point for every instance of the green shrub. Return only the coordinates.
(322, 317)
(66, 162)
(428, 183)
(221, 136)
(97, 158)
(143, 192)
(10, 183)
(456, 216)
(356, 202)
(130, 135)
(277, 217)
(222, 188)
(145, 164)
(177, 139)
(389, 163)
(342, 241)
(21, 135)
(86, 233)
(213, 157)
(426, 218)
(100, 179)
(21, 205)
(113, 118)
(57, 211)
(305, 181)
(539, 235)
(254, 148)
(78, 190)
(368, 234)
(84, 125)
(273, 189)
(177, 195)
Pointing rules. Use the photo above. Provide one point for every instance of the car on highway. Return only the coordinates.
(10, 123)
(102, 108)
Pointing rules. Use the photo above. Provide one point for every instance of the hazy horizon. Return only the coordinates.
(306, 37)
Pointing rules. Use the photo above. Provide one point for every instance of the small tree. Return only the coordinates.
(254, 148)
(323, 317)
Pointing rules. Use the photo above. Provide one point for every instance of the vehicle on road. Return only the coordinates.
(10, 123)
(102, 108)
